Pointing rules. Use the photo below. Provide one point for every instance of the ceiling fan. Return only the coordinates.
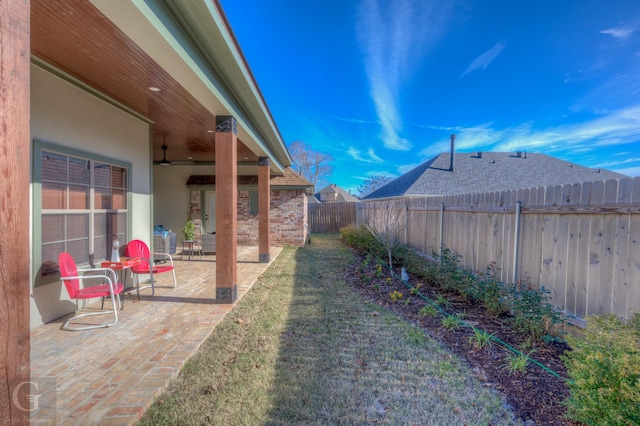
(164, 161)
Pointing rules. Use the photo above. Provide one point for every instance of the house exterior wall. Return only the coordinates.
(171, 199)
(288, 218)
(64, 114)
(328, 196)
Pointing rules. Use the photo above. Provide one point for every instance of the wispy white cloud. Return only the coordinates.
(369, 157)
(629, 171)
(621, 87)
(356, 120)
(486, 58)
(578, 142)
(467, 138)
(374, 157)
(394, 38)
(620, 33)
(381, 173)
(618, 128)
(611, 164)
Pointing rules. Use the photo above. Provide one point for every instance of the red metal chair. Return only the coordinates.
(147, 266)
(74, 282)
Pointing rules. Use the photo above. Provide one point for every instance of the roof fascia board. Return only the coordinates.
(186, 22)
(175, 27)
(239, 60)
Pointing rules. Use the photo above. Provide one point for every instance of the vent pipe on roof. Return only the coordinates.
(453, 151)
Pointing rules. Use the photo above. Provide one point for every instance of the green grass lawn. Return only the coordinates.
(303, 348)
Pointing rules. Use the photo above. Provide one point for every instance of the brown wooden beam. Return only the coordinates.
(226, 141)
(264, 204)
(14, 211)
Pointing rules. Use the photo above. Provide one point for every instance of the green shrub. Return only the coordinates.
(604, 372)
(361, 238)
(533, 314)
(492, 293)
(415, 264)
(448, 268)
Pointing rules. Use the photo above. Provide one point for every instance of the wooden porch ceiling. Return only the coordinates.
(75, 37)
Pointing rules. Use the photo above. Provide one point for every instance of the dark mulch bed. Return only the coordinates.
(535, 395)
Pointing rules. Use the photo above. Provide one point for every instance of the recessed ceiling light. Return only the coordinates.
(246, 158)
(154, 89)
(189, 158)
(209, 131)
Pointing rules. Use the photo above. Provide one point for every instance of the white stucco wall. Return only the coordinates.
(66, 115)
(171, 196)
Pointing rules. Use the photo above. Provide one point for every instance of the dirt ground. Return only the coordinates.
(535, 395)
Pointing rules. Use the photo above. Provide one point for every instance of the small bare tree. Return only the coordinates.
(313, 165)
(386, 222)
(373, 183)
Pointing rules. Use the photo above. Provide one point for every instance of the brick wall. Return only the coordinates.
(195, 212)
(288, 218)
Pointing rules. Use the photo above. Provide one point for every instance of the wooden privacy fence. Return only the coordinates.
(580, 241)
(330, 217)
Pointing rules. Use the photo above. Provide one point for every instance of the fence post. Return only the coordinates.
(406, 221)
(441, 227)
(516, 242)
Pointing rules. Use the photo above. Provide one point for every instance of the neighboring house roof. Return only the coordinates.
(313, 200)
(289, 179)
(334, 194)
(488, 171)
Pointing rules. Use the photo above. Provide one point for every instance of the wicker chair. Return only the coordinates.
(208, 243)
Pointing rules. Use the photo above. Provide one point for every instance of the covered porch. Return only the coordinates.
(111, 375)
(101, 96)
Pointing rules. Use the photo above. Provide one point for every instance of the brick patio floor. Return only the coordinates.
(110, 376)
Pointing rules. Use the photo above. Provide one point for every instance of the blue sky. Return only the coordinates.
(380, 85)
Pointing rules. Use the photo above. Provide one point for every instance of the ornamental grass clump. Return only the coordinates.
(480, 338)
(517, 362)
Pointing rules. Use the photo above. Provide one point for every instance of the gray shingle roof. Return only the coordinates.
(492, 171)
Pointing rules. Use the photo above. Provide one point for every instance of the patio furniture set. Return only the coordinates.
(140, 260)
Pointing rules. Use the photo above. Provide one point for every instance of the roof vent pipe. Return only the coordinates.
(519, 154)
(453, 151)
(479, 154)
